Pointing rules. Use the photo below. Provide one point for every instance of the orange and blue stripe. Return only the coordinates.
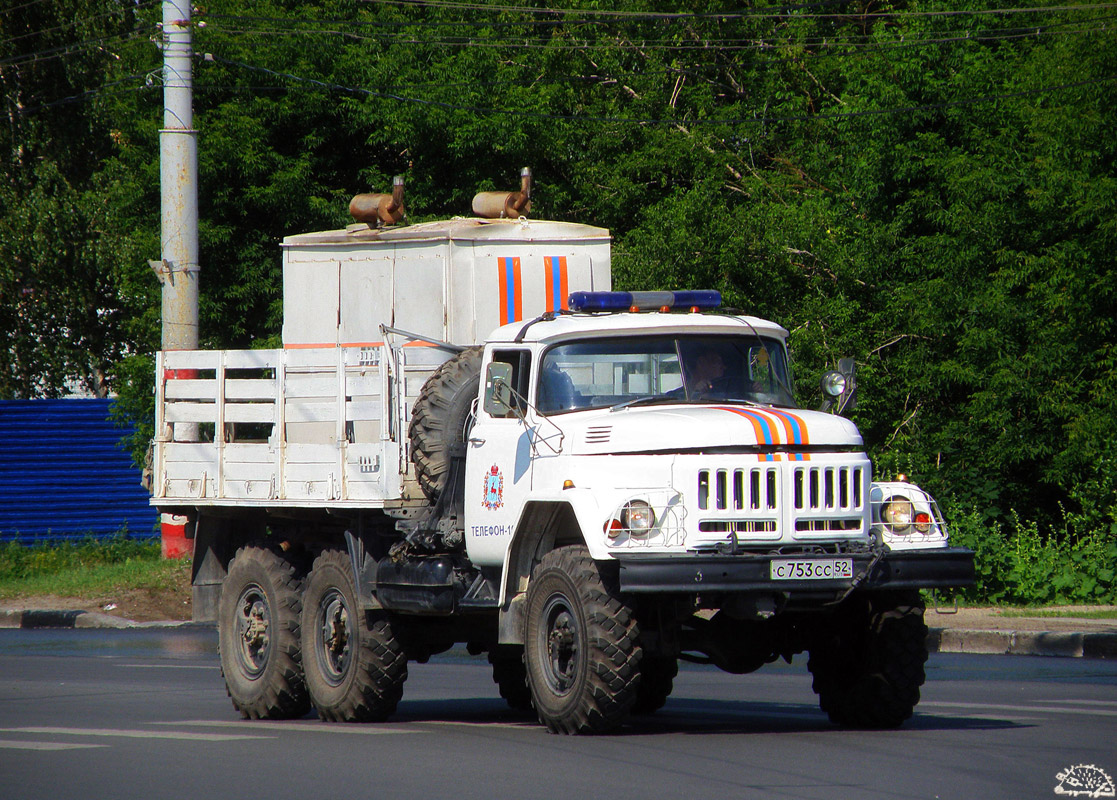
(511, 290)
(558, 293)
(796, 430)
(768, 433)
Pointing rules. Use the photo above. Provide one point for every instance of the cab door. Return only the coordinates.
(498, 468)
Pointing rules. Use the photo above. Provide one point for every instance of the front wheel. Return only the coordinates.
(258, 633)
(580, 646)
(355, 667)
(868, 664)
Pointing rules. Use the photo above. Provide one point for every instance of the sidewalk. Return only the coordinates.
(1013, 631)
(968, 630)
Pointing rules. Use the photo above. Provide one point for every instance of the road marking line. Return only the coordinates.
(287, 727)
(136, 734)
(13, 744)
(1112, 703)
(486, 725)
(212, 667)
(1098, 712)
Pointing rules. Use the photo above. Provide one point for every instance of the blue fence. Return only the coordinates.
(64, 475)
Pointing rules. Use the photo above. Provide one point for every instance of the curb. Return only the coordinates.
(39, 619)
(939, 640)
(1022, 643)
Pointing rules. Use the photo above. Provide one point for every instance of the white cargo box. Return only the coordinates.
(454, 280)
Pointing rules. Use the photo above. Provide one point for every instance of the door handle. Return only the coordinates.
(474, 440)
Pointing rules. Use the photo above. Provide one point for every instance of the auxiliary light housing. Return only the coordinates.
(696, 300)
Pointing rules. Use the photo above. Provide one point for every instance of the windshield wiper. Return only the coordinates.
(647, 400)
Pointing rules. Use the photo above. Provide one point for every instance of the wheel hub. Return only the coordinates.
(562, 650)
(334, 633)
(252, 629)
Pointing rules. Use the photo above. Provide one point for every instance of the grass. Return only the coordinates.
(1100, 613)
(86, 569)
(92, 568)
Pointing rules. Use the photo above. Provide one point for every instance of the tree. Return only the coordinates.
(932, 193)
(62, 323)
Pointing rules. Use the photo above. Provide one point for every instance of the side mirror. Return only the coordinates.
(498, 389)
(839, 388)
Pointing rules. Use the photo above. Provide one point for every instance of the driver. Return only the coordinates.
(704, 371)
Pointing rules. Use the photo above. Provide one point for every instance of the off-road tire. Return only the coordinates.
(258, 636)
(657, 679)
(355, 667)
(868, 664)
(580, 645)
(440, 416)
(510, 676)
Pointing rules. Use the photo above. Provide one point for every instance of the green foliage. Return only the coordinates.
(18, 561)
(63, 318)
(85, 568)
(1015, 564)
(933, 194)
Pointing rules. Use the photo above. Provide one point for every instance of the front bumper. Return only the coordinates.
(700, 573)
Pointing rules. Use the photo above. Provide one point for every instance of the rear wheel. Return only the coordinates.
(868, 664)
(355, 667)
(580, 646)
(258, 621)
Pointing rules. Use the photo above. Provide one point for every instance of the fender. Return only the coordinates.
(543, 526)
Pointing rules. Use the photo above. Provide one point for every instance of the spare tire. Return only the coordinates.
(440, 418)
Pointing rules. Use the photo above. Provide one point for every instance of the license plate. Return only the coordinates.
(812, 569)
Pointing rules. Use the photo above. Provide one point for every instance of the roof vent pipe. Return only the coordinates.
(505, 205)
(380, 209)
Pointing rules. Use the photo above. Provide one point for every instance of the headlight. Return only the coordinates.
(637, 517)
(833, 384)
(897, 513)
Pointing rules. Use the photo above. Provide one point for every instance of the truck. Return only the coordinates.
(468, 438)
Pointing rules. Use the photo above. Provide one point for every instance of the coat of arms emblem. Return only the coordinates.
(492, 497)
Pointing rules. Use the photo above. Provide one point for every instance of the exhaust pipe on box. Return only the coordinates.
(380, 209)
(505, 205)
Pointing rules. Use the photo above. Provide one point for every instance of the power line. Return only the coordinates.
(664, 121)
(81, 96)
(449, 4)
(354, 30)
(78, 21)
(783, 12)
(730, 44)
(11, 9)
(73, 48)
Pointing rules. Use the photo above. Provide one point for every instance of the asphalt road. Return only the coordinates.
(143, 714)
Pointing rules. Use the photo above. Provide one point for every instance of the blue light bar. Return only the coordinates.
(702, 300)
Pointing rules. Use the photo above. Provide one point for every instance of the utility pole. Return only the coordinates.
(178, 175)
(178, 267)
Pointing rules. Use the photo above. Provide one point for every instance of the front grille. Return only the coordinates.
(827, 525)
(737, 526)
(821, 497)
(742, 489)
(827, 489)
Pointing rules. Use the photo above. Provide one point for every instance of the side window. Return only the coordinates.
(520, 360)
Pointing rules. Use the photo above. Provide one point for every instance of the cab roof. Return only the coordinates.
(580, 326)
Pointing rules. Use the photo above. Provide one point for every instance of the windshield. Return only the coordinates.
(607, 373)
